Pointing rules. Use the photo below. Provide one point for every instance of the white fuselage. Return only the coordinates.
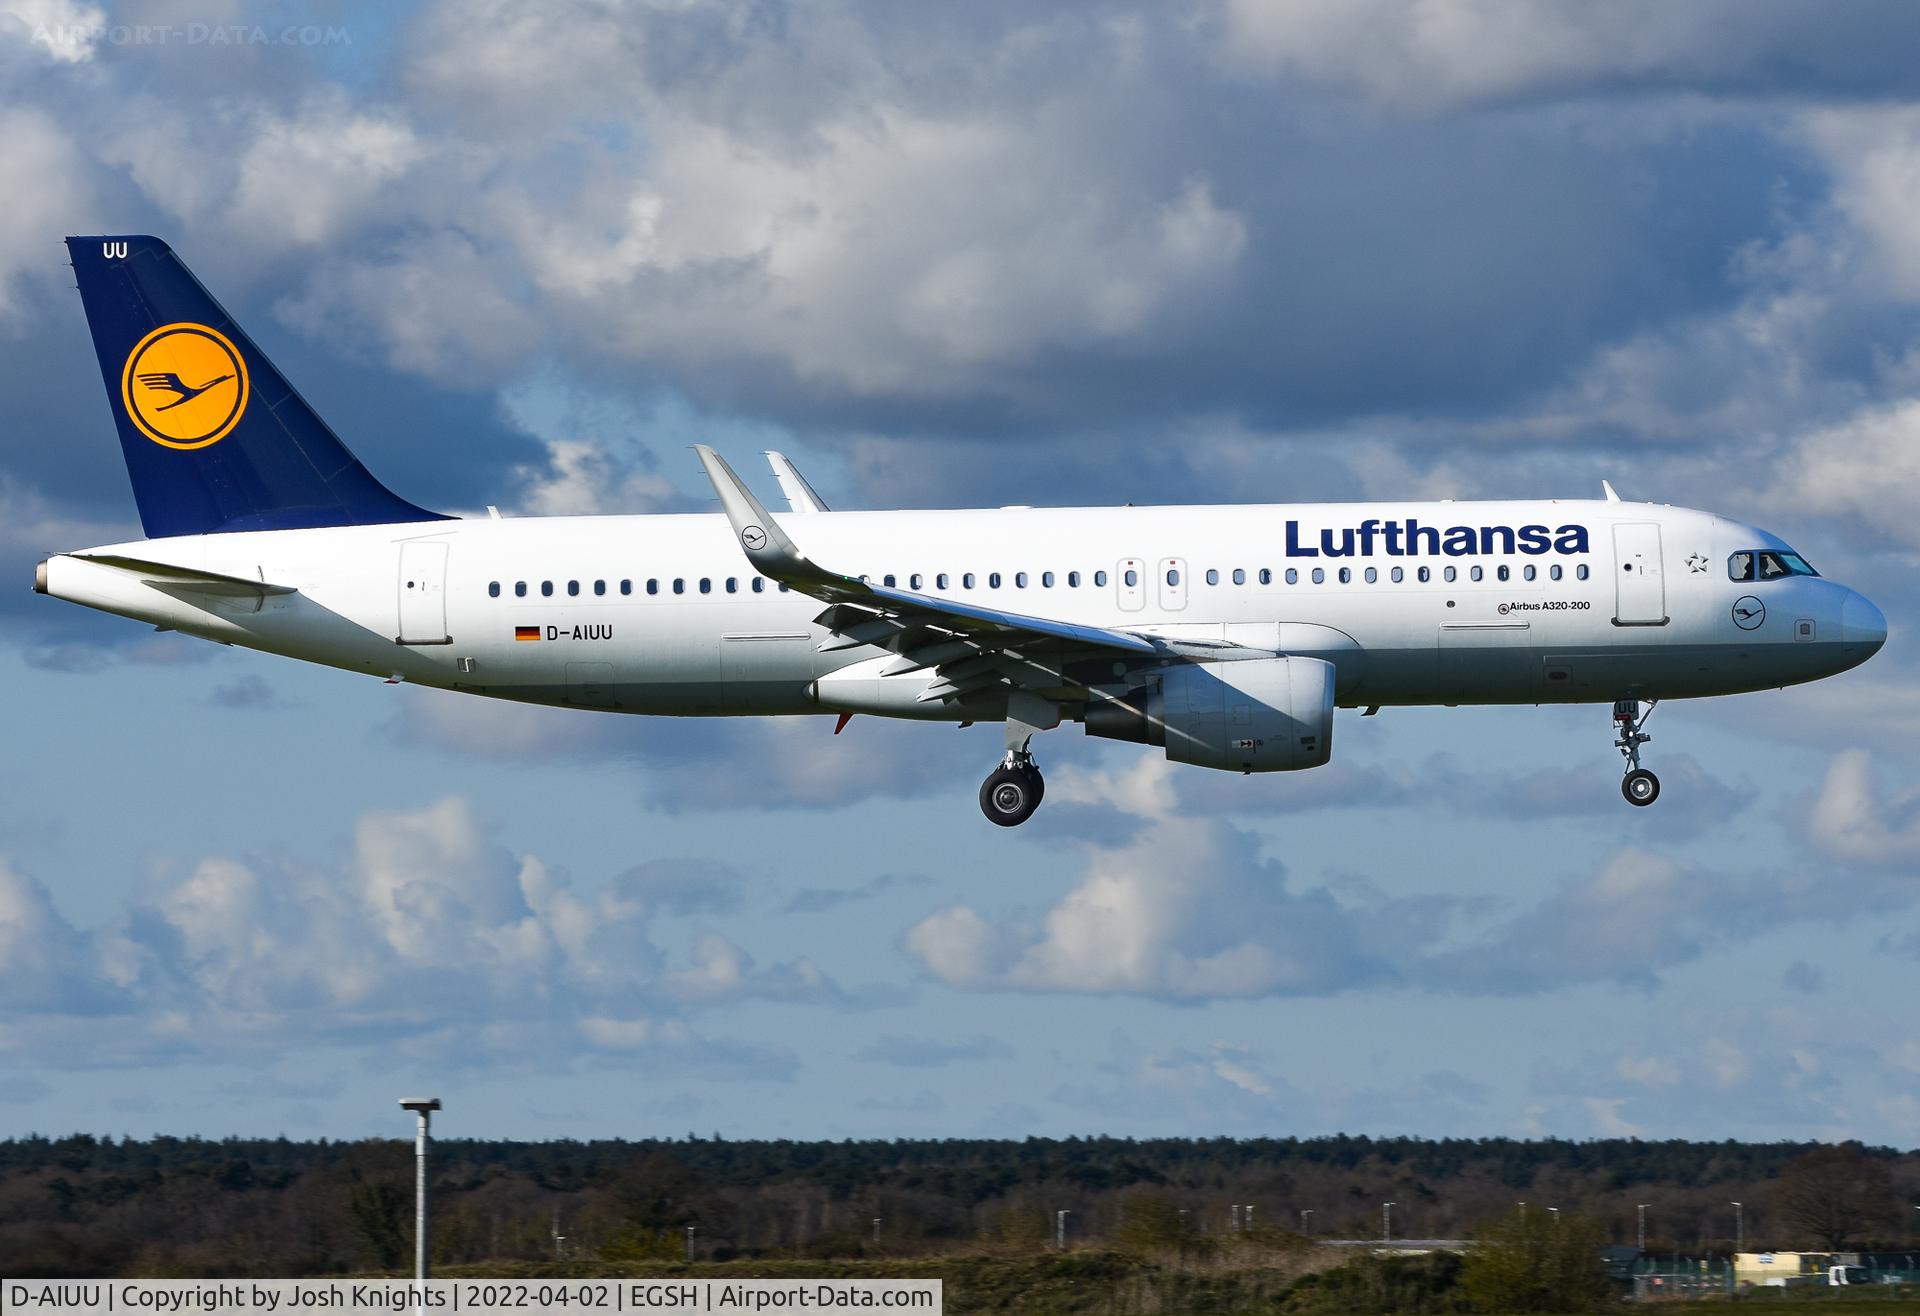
(663, 614)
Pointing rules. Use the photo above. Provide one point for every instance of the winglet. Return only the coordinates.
(1606, 487)
(800, 494)
(773, 554)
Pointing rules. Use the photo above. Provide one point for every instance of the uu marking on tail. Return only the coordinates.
(172, 412)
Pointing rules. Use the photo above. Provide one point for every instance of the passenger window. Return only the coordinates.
(1173, 576)
(493, 589)
(1425, 574)
(679, 585)
(1555, 571)
(887, 580)
(519, 589)
(1213, 576)
(940, 581)
(1046, 580)
(573, 589)
(1293, 575)
(913, 581)
(1319, 576)
(1372, 575)
(1100, 579)
(993, 580)
(1133, 577)
(1503, 572)
(1740, 567)
(783, 587)
(1530, 571)
(759, 584)
(1451, 574)
(1019, 580)
(1580, 572)
(1266, 575)
(599, 587)
(546, 589)
(1346, 575)
(1239, 576)
(966, 581)
(1478, 573)
(1399, 574)
(1073, 580)
(626, 587)
(733, 584)
(706, 585)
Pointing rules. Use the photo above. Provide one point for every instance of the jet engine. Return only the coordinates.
(1256, 715)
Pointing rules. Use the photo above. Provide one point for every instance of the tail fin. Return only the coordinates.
(215, 438)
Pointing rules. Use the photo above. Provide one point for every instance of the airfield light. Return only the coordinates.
(424, 1108)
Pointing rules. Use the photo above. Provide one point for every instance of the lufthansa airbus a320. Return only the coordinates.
(1224, 635)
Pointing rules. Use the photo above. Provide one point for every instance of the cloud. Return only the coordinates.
(1851, 822)
(931, 1052)
(247, 693)
(428, 931)
(1186, 910)
(821, 900)
(1446, 54)
(695, 763)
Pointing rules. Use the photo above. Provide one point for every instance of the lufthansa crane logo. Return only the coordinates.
(184, 386)
(754, 538)
(1748, 612)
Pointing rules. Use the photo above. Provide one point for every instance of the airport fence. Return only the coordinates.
(1656, 1278)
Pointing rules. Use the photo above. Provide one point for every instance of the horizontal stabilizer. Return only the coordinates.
(186, 578)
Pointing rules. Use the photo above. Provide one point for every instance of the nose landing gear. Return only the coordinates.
(1640, 786)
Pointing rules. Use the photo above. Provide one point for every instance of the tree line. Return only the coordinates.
(84, 1205)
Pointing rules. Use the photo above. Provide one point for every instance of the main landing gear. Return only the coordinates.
(1640, 786)
(1014, 790)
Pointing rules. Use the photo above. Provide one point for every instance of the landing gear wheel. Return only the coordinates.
(1009, 795)
(1640, 787)
(1039, 785)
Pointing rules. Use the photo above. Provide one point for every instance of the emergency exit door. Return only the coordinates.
(1640, 589)
(423, 593)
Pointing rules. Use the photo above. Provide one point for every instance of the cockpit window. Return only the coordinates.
(1766, 564)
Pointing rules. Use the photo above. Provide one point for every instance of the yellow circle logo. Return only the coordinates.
(185, 386)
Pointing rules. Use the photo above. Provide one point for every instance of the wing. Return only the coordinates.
(800, 494)
(970, 648)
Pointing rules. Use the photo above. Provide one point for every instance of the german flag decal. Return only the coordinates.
(526, 632)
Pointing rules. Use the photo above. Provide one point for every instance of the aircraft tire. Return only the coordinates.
(1640, 787)
(1009, 796)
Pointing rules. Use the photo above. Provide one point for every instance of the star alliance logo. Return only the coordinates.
(1697, 563)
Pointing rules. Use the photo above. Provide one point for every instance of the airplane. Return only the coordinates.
(1226, 636)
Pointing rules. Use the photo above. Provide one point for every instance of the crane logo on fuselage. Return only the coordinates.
(1411, 539)
(184, 386)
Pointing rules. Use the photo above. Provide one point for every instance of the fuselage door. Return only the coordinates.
(423, 593)
(1640, 589)
(1130, 584)
(1172, 578)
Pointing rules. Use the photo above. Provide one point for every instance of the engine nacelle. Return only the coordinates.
(1258, 715)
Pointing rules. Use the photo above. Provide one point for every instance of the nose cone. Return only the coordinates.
(1862, 623)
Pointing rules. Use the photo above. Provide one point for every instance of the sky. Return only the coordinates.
(524, 253)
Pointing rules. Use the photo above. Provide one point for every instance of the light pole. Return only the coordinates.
(1523, 1210)
(1739, 1228)
(1060, 1229)
(876, 1229)
(1642, 1209)
(424, 1108)
(690, 1229)
(1386, 1222)
(1555, 1212)
(1306, 1222)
